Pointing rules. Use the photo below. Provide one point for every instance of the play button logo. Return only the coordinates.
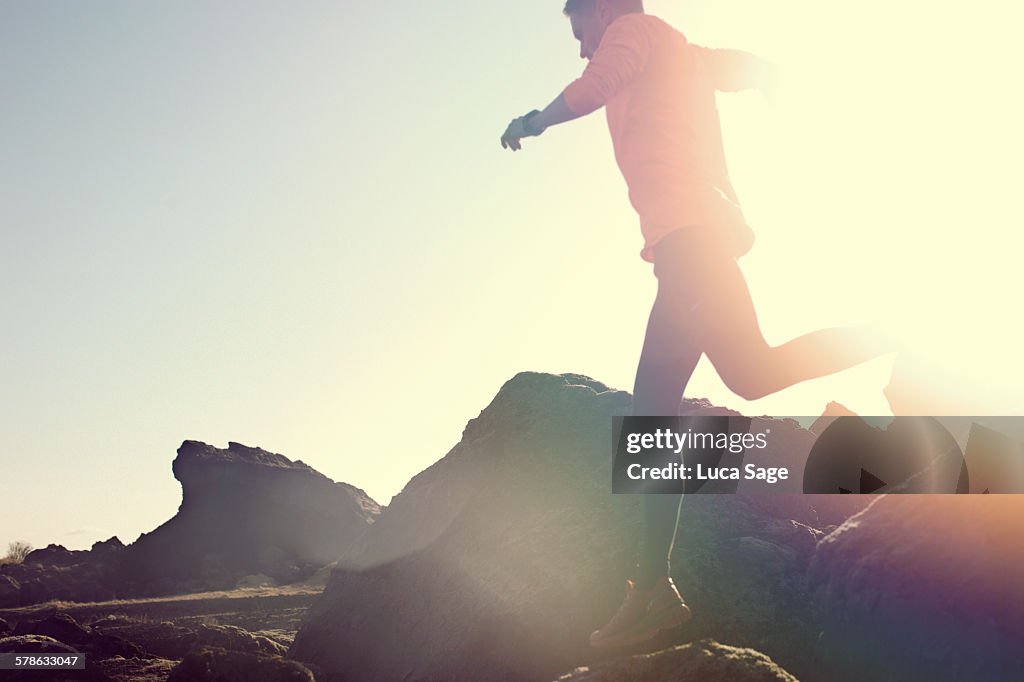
(909, 455)
(869, 483)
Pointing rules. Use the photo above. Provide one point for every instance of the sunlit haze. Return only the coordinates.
(292, 225)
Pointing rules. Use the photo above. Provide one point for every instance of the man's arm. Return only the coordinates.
(622, 54)
(536, 122)
(735, 70)
(556, 112)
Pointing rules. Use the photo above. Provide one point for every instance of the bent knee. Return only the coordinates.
(749, 375)
(749, 389)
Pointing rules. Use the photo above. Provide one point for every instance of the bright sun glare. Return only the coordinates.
(879, 178)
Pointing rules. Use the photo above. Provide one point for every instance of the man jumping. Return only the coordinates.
(658, 91)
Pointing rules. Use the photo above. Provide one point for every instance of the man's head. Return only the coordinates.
(590, 19)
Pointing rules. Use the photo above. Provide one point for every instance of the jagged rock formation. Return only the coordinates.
(498, 560)
(703, 661)
(244, 511)
(931, 586)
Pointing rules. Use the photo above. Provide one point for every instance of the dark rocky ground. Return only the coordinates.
(239, 635)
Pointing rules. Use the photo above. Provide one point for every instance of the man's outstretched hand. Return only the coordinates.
(517, 130)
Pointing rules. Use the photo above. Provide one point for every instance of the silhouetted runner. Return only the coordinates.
(658, 91)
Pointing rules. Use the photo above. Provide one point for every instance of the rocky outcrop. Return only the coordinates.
(501, 558)
(703, 661)
(245, 510)
(497, 558)
(931, 586)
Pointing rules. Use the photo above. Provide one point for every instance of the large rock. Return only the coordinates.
(931, 586)
(244, 511)
(703, 661)
(494, 561)
(740, 563)
(501, 558)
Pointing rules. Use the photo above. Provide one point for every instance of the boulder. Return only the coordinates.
(497, 558)
(931, 586)
(740, 563)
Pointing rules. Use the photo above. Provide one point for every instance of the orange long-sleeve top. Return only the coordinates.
(658, 91)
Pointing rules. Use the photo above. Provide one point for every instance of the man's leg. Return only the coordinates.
(704, 304)
(657, 392)
(748, 365)
(670, 354)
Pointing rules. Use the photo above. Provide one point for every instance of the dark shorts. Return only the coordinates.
(702, 294)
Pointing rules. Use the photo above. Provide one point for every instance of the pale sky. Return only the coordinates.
(290, 224)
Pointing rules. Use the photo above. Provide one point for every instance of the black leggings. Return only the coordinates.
(703, 306)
